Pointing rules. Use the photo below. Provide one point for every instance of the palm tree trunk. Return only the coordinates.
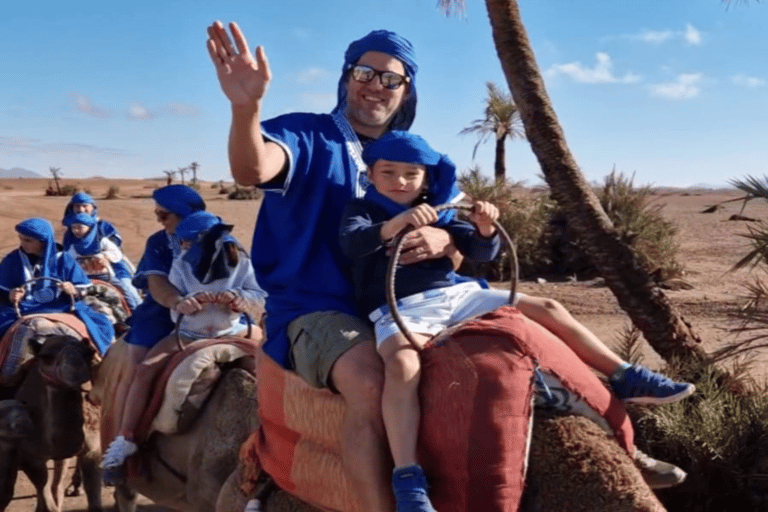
(638, 295)
(498, 165)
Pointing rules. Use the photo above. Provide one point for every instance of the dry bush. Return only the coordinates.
(112, 192)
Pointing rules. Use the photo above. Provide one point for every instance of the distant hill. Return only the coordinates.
(18, 172)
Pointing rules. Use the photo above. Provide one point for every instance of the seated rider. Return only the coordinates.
(408, 178)
(84, 203)
(38, 256)
(216, 284)
(99, 256)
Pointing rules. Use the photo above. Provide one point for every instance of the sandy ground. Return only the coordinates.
(709, 246)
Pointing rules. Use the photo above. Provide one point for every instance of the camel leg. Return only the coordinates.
(8, 471)
(38, 475)
(125, 498)
(89, 459)
(56, 482)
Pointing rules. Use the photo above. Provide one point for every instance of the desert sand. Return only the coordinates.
(709, 246)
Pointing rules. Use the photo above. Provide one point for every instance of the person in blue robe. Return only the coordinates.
(84, 203)
(39, 278)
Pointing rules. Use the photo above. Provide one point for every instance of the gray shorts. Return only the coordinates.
(318, 339)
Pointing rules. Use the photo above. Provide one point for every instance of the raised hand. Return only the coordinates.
(243, 79)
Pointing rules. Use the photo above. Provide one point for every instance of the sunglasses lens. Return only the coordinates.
(363, 73)
(391, 80)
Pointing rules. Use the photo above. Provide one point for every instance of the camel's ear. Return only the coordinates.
(36, 343)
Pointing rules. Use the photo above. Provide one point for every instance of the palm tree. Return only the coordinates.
(637, 293)
(193, 167)
(169, 175)
(182, 172)
(56, 173)
(502, 120)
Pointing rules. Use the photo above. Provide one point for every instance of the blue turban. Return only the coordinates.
(179, 199)
(90, 243)
(80, 198)
(392, 44)
(399, 146)
(41, 229)
(208, 234)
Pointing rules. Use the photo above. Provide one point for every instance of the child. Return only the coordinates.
(84, 203)
(216, 283)
(38, 256)
(99, 256)
(408, 178)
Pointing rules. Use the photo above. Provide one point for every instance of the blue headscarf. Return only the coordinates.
(399, 146)
(392, 44)
(179, 199)
(41, 229)
(206, 255)
(90, 243)
(80, 198)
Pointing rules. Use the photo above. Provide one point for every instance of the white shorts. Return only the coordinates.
(432, 311)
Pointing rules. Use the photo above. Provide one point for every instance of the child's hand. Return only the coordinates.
(225, 297)
(68, 288)
(16, 294)
(418, 216)
(483, 215)
(206, 297)
(188, 306)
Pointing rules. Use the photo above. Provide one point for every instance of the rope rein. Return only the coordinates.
(397, 244)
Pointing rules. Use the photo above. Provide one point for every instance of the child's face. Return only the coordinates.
(82, 208)
(399, 181)
(79, 230)
(30, 245)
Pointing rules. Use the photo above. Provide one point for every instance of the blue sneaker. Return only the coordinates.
(637, 384)
(410, 486)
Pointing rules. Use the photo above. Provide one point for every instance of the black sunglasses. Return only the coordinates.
(162, 215)
(389, 79)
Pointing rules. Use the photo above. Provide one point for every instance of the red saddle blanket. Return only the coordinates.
(476, 394)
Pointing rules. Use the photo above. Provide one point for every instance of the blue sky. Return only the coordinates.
(675, 93)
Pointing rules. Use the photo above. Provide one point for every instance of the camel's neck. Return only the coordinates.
(57, 414)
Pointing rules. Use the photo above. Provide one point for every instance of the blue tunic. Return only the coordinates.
(295, 251)
(45, 297)
(150, 322)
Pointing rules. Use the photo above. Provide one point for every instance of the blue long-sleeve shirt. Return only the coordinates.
(359, 237)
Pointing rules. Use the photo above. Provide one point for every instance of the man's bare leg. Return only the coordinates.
(358, 375)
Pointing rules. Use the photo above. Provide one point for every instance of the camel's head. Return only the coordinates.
(64, 361)
(15, 422)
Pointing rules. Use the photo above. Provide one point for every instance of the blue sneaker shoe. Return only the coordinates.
(410, 486)
(637, 384)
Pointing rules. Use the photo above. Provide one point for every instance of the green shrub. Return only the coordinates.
(112, 192)
(638, 222)
(522, 213)
(719, 436)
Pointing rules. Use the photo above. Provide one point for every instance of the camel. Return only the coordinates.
(185, 471)
(574, 464)
(50, 386)
(15, 425)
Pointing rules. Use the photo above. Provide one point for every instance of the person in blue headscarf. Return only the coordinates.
(216, 279)
(82, 202)
(26, 277)
(98, 256)
(151, 321)
(309, 166)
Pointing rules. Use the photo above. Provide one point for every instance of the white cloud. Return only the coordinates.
(749, 82)
(139, 112)
(684, 87)
(24, 146)
(692, 35)
(86, 106)
(600, 73)
(312, 75)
